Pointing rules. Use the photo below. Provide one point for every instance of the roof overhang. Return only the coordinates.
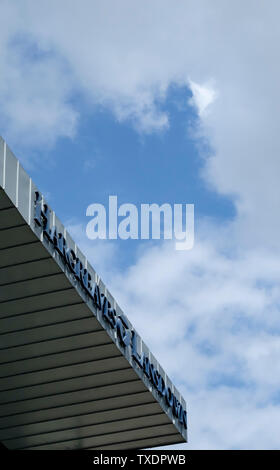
(74, 374)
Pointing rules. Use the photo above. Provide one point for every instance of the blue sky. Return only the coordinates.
(157, 103)
(108, 157)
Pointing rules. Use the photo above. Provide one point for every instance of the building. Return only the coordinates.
(74, 374)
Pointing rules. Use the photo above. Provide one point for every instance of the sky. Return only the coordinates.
(166, 102)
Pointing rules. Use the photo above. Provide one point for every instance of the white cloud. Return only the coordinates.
(203, 96)
(213, 320)
(35, 88)
(220, 301)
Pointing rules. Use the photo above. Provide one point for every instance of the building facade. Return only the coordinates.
(74, 373)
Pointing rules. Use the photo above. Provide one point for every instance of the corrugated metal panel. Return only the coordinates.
(65, 382)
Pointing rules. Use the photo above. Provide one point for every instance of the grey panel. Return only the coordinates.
(145, 443)
(39, 302)
(33, 287)
(97, 441)
(16, 236)
(2, 143)
(4, 200)
(69, 405)
(80, 420)
(65, 372)
(76, 384)
(23, 193)
(11, 175)
(52, 346)
(61, 359)
(29, 270)
(10, 217)
(50, 338)
(43, 318)
(23, 253)
(84, 432)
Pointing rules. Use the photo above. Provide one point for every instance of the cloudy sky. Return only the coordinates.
(166, 101)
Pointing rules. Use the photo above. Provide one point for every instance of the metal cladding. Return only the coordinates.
(74, 373)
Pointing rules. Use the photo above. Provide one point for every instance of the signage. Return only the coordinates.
(127, 337)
